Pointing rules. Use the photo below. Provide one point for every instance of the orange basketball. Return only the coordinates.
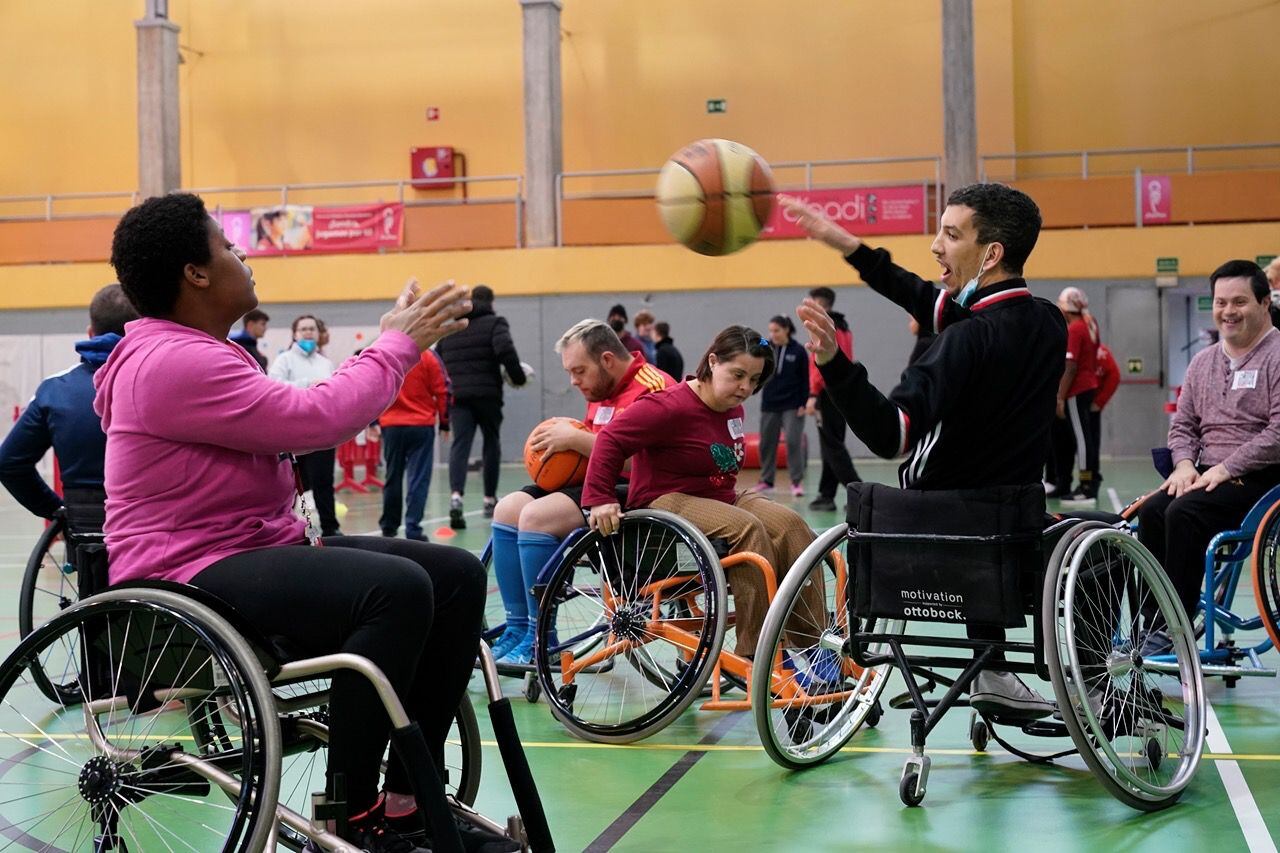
(560, 469)
(715, 195)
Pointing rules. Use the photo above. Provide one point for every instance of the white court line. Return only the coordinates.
(425, 522)
(1116, 506)
(1252, 825)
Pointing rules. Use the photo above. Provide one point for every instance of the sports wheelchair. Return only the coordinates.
(1255, 545)
(179, 726)
(632, 630)
(984, 556)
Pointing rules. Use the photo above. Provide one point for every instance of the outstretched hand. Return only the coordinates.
(821, 328)
(428, 317)
(818, 225)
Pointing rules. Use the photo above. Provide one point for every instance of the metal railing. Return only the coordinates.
(46, 204)
(1184, 158)
(805, 182)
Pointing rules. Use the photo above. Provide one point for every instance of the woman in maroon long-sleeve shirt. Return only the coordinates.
(686, 447)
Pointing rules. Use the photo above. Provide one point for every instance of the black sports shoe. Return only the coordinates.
(821, 504)
(375, 835)
(412, 827)
(489, 504)
(456, 521)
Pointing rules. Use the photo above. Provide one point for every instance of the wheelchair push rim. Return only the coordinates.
(120, 770)
(803, 720)
(1142, 740)
(1266, 573)
(50, 586)
(620, 611)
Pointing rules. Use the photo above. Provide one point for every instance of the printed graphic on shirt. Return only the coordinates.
(728, 460)
(604, 414)
(1244, 379)
(735, 428)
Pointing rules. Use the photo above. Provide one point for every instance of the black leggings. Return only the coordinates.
(413, 608)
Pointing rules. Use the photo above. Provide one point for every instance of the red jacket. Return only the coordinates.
(423, 398)
(1108, 377)
(844, 340)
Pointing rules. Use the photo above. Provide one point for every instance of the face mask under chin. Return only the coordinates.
(307, 346)
(970, 288)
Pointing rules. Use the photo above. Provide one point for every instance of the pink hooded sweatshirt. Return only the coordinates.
(194, 436)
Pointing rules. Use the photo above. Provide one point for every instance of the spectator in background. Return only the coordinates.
(617, 321)
(302, 366)
(255, 326)
(644, 333)
(666, 357)
(1073, 433)
(1108, 382)
(782, 407)
(322, 337)
(408, 444)
(1273, 279)
(474, 358)
(837, 464)
(61, 416)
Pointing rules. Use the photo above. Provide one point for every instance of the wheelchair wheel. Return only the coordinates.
(629, 628)
(120, 771)
(1266, 572)
(814, 697)
(1139, 726)
(49, 586)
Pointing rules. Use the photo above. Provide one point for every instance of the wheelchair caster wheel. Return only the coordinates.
(907, 789)
(1154, 754)
(874, 715)
(979, 733)
(532, 689)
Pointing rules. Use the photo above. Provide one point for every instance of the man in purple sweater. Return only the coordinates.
(1225, 437)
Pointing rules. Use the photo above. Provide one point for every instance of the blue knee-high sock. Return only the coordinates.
(506, 568)
(535, 550)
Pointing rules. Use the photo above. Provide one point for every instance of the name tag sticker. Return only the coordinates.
(735, 428)
(1244, 379)
(604, 414)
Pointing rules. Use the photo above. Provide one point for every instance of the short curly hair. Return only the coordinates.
(152, 244)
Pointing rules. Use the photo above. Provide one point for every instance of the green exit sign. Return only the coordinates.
(1204, 303)
(1263, 260)
(717, 105)
(1167, 265)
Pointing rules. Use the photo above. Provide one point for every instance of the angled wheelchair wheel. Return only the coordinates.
(812, 698)
(629, 628)
(49, 586)
(1138, 724)
(1266, 572)
(121, 770)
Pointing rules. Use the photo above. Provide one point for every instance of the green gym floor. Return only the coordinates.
(705, 784)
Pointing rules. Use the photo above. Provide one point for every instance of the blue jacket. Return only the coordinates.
(61, 416)
(788, 388)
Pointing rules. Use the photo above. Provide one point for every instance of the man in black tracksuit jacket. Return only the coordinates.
(975, 410)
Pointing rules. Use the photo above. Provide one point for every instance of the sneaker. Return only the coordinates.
(521, 654)
(1077, 500)
(510, 638)
(797, 490)
(374, 834)
(1155, 643)
(489, 504)
(456, 521)
(1002, 694)
(816, 672)
(821, 504)
(474, 840)
(390, 534)
(762, 488)
(416, 536)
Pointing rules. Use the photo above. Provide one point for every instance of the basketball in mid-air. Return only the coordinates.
(715, 195)
(558, 470)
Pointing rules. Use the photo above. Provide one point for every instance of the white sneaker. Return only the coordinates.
(1002, 694)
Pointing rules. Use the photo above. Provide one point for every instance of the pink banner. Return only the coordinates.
(298, 229)
(860, 210)
(1155, 195)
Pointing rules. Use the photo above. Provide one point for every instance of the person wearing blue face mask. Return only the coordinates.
(61, 416)
(976, 409)
(304, 365)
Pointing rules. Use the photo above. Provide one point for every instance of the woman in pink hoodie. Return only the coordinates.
(201, 491)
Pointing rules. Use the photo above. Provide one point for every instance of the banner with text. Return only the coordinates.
(860, 210)
(296, 229)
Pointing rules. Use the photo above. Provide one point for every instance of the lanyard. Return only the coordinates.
(313, 531)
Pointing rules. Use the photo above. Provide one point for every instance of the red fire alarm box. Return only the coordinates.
(432, 167)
